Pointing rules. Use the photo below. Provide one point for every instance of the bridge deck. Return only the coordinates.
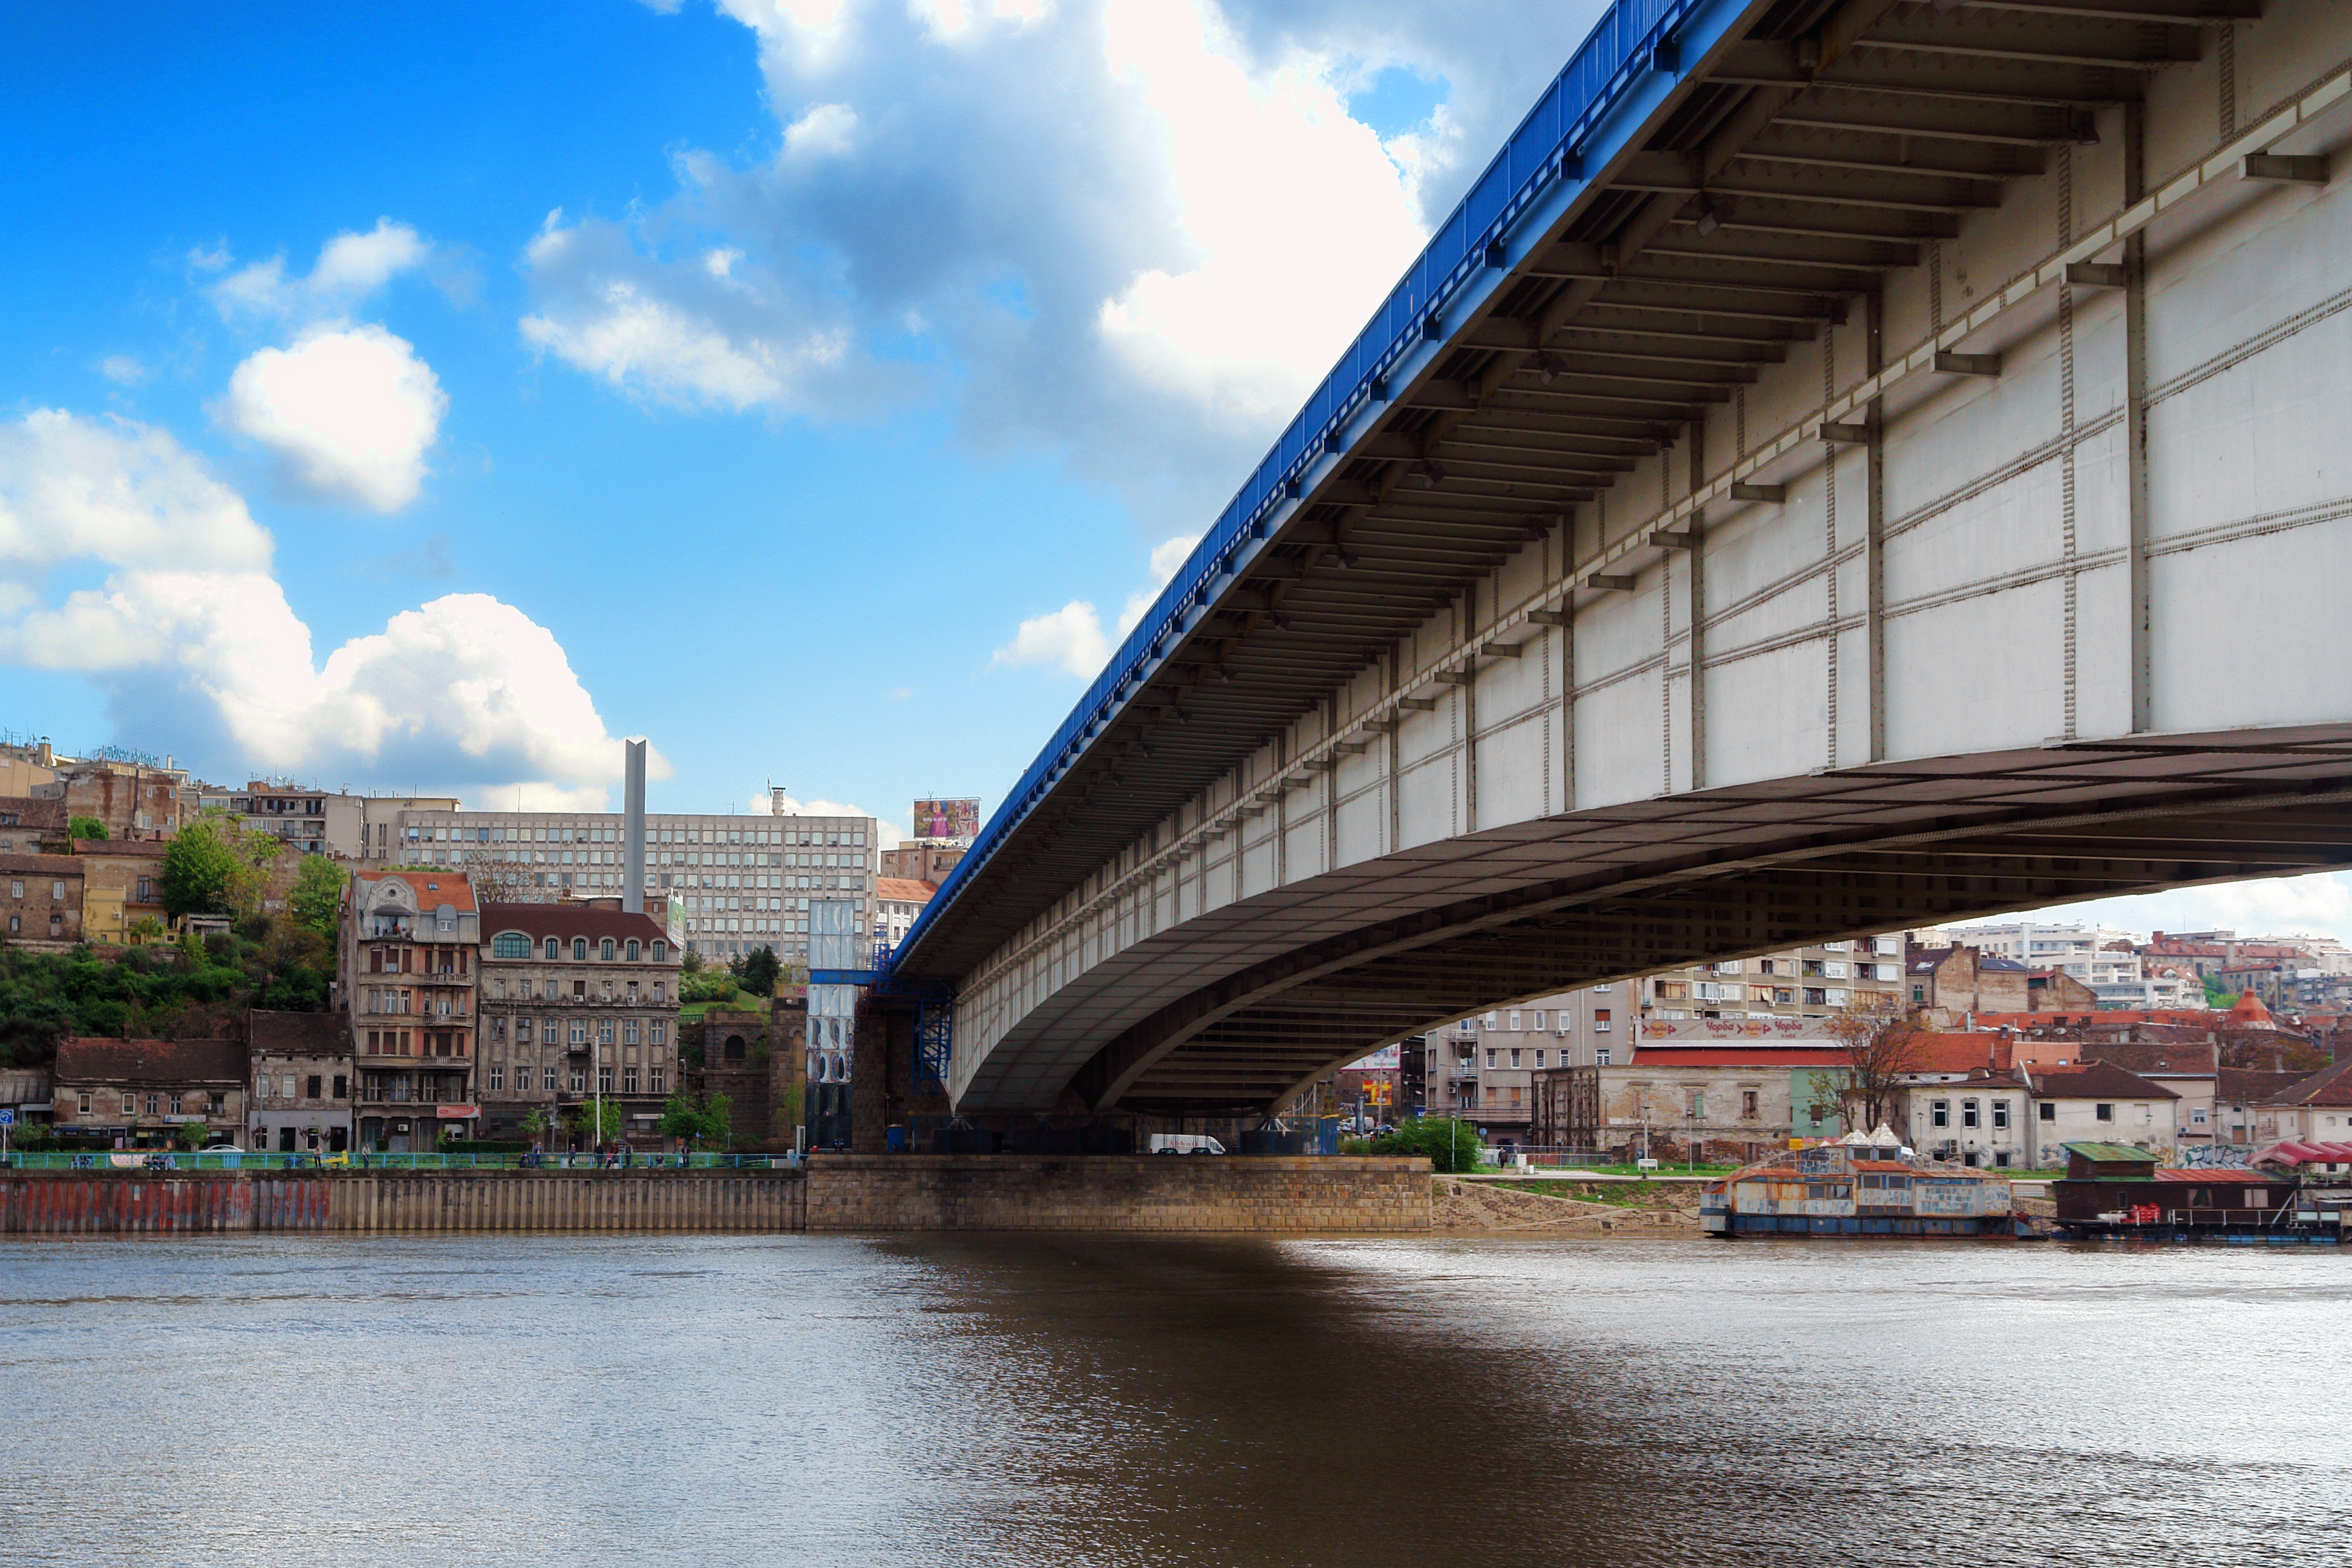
(1771, 479)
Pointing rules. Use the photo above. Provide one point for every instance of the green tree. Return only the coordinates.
(1452, 1146)
(88, 827)
(535, 1124)
(706, 986)
(710, 1122)
(318, 895)
(201, 871)
(192, 1135)
(586, 1122)
(760, 968)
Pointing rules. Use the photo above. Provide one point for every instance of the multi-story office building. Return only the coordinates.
(579, 1003)
(734, 882)
(406, 963)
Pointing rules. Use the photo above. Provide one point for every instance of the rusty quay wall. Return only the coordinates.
(143, 1203)
(1118, 1192)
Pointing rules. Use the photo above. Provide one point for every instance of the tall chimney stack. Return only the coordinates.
(633, 830)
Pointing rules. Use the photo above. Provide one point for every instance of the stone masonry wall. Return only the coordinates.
(1116, 1192)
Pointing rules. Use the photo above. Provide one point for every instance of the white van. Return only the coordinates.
(1185, 1143)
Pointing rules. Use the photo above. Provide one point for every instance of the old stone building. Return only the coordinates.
(754, 1060)
(40, 901)
(141, 1092)
(31, 825)
(406, 963)
(579, 1003)
(133, 799)
(301, 1097)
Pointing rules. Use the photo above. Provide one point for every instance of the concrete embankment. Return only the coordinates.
(837, 1192)
(1123, 1193)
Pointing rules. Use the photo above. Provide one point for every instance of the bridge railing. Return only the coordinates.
(1632, 38)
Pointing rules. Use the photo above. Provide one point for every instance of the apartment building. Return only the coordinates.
(1802, 983)
(2095, 956)
(406, 966)
(734, 881)
(897, 900)
(312, 820)
(1482, 1068)
(579, 1001)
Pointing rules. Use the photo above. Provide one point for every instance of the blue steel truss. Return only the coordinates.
(1632, 39)
(934, 1038)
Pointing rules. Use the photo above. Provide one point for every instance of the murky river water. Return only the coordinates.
(823, 1401)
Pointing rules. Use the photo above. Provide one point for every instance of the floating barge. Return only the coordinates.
(1874, 1188)
(2115, 1191)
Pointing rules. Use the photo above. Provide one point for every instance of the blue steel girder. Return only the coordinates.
(1744, 167)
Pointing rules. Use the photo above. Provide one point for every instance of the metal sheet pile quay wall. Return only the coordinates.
(1535, 639)
(359, 1201)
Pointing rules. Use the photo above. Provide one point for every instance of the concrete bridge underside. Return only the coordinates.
(1902, 476)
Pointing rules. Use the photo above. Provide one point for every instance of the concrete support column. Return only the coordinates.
(1697, 585)
(2135, 420)
(1873, 560)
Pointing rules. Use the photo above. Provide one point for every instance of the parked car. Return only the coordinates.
(1185, 1143)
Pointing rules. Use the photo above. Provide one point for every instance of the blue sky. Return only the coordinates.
(424, 397)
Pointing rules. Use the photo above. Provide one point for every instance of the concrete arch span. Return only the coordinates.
(1238, 1008)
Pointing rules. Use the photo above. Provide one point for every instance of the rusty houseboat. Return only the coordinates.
(1864, 1188)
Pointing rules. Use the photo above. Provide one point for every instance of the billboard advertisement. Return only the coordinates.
(947, 819)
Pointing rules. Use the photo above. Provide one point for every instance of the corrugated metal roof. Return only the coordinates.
(2111, 1153)
(2223, 1176)
(2295, 1152)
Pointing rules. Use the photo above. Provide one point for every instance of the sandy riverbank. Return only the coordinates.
(1461, 1207)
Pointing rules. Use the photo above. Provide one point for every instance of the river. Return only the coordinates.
(819, 1400)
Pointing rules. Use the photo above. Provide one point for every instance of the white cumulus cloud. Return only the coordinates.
(190, 633)
(693, 334)
(350, 413)
(349, 268)
(1069, 640)
(1132, 232)
(1285, 268)
(1072, 639)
